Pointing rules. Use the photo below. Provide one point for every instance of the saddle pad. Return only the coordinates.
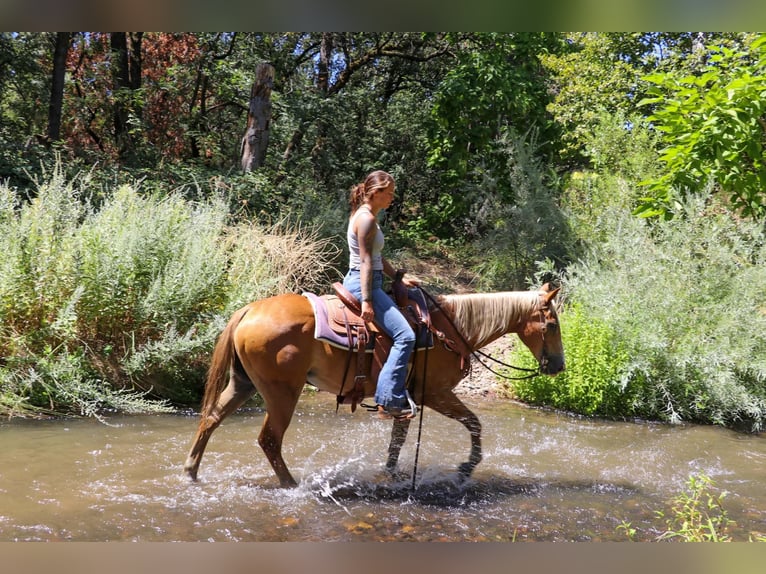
(323, 331)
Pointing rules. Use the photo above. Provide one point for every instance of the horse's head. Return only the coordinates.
(541, 333)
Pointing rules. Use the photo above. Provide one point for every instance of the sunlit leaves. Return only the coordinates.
(714, 131)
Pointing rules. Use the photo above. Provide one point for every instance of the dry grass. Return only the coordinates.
(278, 259)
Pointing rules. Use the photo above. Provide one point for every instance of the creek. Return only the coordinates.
(545, 476)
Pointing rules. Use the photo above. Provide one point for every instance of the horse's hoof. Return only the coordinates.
(465, 470)
(191, 472)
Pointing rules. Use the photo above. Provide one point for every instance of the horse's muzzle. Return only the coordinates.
(552, 365)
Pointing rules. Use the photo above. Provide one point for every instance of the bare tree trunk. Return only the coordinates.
(323, 66)
(60, 51)
(120, 81)
(256, 138)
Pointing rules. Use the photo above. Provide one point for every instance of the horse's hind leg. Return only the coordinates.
(237, 391)
(280, 405)
(398, 435)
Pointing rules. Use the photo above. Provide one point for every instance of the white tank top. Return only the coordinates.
(355, 261)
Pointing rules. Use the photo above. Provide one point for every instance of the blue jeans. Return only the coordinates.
(392, 381)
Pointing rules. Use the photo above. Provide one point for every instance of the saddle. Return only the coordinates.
(339, 323)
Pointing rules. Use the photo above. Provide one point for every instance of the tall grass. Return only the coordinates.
(117, 307)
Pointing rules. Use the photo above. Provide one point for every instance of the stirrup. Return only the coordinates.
(409, 412)
(413, 406)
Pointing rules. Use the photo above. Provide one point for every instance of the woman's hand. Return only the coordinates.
(368, 313)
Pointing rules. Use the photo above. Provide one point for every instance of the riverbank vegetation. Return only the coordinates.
(116, 307)
(134, 218)
(697, 514)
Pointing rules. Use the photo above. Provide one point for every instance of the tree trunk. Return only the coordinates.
(136, 60)
(120, 81)
(256, 138)
(60, 51)
(323, 66)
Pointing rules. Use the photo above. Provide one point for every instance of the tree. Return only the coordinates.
(495, 81)
(256, 139)
(495, 85)
(713, 127)
(25, 73)
(597, 73)
(60, 51)
(126, 81)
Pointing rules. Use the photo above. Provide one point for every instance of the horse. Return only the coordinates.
(269, 346)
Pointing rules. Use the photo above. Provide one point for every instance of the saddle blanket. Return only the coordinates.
(323, 331)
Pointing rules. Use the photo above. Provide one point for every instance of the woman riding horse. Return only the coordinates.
(365, 280)
(269, 346)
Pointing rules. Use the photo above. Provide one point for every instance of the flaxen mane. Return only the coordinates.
(481, 316)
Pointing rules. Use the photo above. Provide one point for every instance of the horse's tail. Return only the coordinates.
(221, 363)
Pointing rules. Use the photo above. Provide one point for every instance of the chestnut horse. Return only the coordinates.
(269, 346)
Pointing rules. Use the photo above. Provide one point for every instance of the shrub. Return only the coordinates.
(106, 307)
(514, 229)
(593, 382)
(684, 299)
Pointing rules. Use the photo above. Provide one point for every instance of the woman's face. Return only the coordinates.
(386, 195)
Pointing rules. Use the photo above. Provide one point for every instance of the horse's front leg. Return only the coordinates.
(451, 406)
(398, 435)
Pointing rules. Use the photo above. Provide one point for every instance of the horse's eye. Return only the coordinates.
(551, 327)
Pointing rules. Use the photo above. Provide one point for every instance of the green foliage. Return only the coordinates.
(591, 77)
(713, 128)
(107, 308)
(593, 382)
(697, 514)
(676, 296)
(496, 83)
(511, 234)
(622, 153)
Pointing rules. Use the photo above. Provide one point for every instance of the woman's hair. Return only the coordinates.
(360, 192)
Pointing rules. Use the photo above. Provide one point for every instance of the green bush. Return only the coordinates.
(593, 382)
(684, 299)
(107, 306)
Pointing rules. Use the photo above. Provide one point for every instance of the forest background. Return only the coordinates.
(152, 183)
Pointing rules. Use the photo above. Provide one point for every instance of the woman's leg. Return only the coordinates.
(392, 381)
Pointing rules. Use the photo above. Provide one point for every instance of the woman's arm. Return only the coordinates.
(366, 229)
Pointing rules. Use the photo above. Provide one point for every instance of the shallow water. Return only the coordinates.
(545, 477)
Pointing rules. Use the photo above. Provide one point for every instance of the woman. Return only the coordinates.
(365, 280)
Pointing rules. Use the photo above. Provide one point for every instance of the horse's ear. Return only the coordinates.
(550, 295)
